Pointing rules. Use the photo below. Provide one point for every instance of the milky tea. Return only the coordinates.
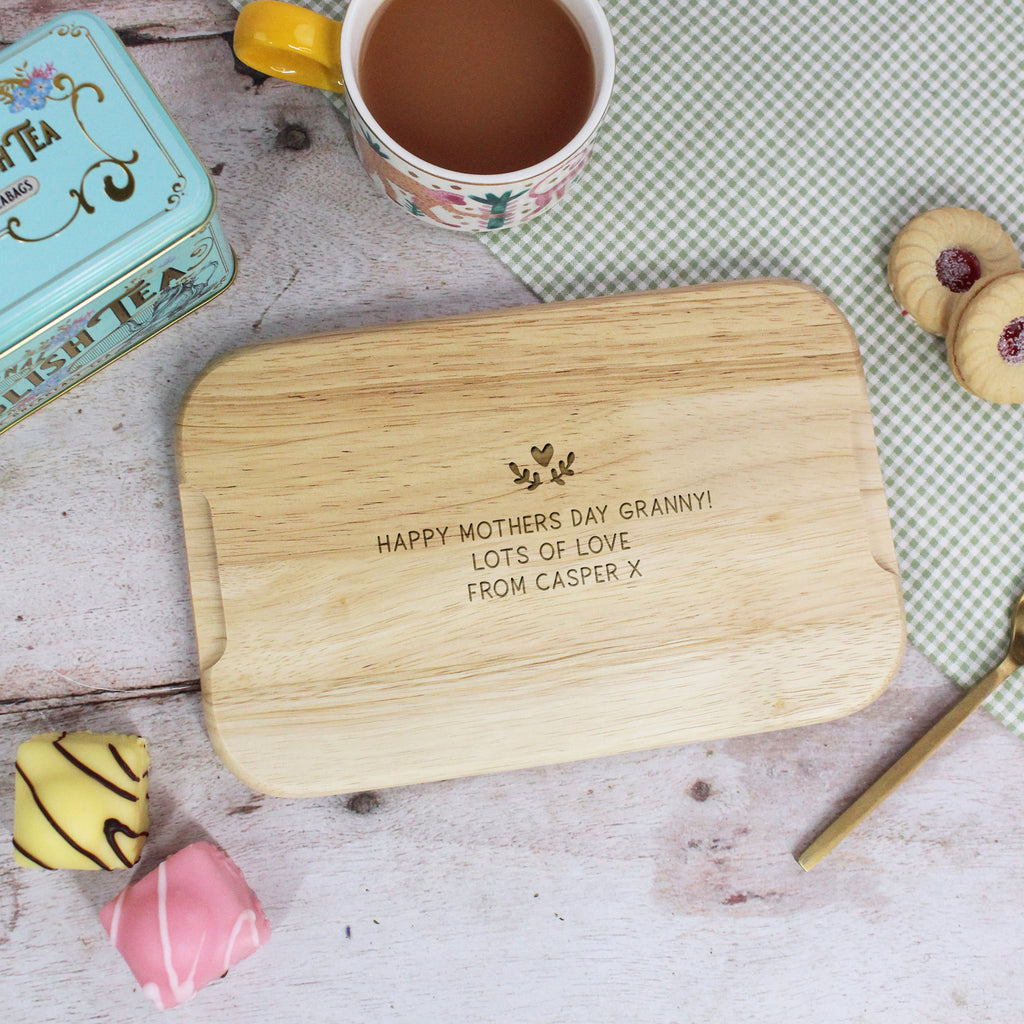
(477, 86)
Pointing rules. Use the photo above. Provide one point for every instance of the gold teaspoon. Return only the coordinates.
(921, 750)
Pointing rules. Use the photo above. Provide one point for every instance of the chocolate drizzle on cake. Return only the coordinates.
(112, 827)
(122, 763)
(35, 860)
(55, 825)
(92, 774)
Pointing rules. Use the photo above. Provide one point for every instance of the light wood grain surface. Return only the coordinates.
(650, 887)
(380, 602)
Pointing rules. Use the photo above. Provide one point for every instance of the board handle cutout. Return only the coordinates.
(204, 578)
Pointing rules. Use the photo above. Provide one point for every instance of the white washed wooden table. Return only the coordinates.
(656, 887)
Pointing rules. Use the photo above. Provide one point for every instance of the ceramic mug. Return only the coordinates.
(299, 45)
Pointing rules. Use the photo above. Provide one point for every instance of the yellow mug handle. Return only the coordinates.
(290, 42)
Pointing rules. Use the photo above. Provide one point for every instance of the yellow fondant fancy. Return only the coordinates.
(81, 800)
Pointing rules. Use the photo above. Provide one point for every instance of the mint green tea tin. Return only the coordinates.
(108, 226)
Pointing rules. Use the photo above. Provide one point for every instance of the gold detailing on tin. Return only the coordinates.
(205, 245)
(115, 192)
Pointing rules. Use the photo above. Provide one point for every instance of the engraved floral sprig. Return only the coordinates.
(542, 457)
(522, 475)
(563, 469)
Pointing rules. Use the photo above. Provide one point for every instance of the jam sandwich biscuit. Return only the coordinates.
(985, 343)
(942, 254)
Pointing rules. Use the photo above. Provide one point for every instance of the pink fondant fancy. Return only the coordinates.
(186, 923)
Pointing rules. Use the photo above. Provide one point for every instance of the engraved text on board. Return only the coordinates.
(547, 552)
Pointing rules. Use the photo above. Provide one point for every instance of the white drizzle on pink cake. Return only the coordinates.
(186, 923)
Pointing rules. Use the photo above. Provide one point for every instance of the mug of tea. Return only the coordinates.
(470, 115)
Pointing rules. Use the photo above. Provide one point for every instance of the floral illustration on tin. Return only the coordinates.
(46, 359)
(28, 90)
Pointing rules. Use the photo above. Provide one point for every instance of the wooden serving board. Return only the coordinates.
(531, 536)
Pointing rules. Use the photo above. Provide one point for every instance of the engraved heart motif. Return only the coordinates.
(542, 456)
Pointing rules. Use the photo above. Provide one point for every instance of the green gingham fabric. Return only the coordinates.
(766, 138)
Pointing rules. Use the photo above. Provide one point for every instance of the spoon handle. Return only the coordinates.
(921, 750)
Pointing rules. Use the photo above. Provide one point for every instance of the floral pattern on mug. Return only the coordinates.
(461, 206)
